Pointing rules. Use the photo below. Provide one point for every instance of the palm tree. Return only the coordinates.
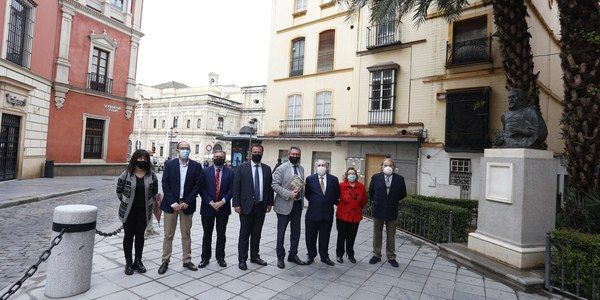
(512, 32)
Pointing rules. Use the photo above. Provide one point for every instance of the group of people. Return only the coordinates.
(253, 190)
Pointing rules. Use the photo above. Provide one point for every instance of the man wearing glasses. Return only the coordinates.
(181, 185)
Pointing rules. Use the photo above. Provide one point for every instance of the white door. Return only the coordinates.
(323, 122)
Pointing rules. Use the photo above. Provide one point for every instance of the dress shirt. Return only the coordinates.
(260, 176)
(183, 167)
(388, 182)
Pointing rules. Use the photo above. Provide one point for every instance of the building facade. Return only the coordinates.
(204, 116)
(93, 95)
(429, 97)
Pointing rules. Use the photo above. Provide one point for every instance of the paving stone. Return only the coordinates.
(236, 286)
(276, 284)
(327, 296)
(366, 294)
(340, 290)
(491, 284)
(122, 295)
(399, 293)
(500, 295)
(148, 289)
(214, 294)
(259, 292)
(460, 295)
(471, 289)
(299, 291)
(377, 287)
(409, 285)
(470, 280)
(255, 277)
(193, 287)
(169, 294)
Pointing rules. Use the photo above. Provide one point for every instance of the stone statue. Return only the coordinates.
(522, 125)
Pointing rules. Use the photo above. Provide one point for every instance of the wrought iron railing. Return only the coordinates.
(383, 34)
(297, 66)
(571, 270)
(99, 83)
(381, 117)
(307, 127)
(468, 52)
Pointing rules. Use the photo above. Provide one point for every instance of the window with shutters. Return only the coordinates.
(299, 5)
(297, 57)
(220, 122)
(470, 42)
(323, 120)
(326, 51)
(94, 138)
(383, 83)
(20, 32)
(294, 109)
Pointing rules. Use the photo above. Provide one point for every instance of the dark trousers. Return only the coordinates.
(294, 218)
(208, 224)
(346, 237)
(321, 230)
(250, 230)
(134, 227)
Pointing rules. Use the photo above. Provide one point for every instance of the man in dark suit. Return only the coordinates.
(252, 197)
(216, 194)
(322, 190)
(385, 191)
(181, 185)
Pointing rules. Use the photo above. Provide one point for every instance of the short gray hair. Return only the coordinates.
(321, 161)
(390, 160)
(294, 148)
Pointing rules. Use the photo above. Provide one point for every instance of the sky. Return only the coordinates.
(184, 40)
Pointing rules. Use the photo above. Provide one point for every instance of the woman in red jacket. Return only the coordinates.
(353, 198)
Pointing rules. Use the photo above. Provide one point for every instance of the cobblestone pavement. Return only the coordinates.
(423, 274)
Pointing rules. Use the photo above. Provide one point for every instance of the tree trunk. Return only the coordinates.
(580, 61)
(517, 59)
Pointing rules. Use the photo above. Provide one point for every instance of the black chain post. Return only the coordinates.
(43, 257)
(107, 234)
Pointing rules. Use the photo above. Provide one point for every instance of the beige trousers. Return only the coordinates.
(185, 225)
(390, 229)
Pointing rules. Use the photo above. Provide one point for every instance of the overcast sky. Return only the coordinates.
(187, 39)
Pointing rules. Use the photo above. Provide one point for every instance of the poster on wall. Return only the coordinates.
(236, 159)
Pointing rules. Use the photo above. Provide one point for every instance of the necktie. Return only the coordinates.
(295, 170)
(322, 185)
(256, 184)
(218, 185)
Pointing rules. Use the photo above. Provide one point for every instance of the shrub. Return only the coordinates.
(574, 252)
(470, 205)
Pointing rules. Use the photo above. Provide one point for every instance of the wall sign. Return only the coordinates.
(112, 108)
(15, 101)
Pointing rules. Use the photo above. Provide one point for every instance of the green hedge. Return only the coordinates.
(431, 220)
(470, 205)
(572, 251)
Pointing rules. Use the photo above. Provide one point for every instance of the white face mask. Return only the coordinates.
(387, 170)
(321, 170)
(351, 177)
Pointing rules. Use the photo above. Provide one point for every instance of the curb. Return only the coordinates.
(25, 200)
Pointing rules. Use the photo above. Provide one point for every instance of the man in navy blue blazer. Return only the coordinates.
(252, 198)
(216, 193)
(181, 185)
(322, 190)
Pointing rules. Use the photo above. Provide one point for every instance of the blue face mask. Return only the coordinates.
(184, 154)
(352, 178)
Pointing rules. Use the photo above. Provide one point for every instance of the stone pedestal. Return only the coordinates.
(70, 263)
(517, 206)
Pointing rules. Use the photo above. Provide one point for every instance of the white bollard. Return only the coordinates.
(70, 263)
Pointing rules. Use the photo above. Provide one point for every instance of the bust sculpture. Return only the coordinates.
(522, 125)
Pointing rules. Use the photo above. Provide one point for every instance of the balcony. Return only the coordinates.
(383, 34)
(469, 52)
(321, 128)
(381, 117)
(99, 83)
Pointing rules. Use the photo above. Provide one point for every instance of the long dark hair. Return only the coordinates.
(134, 157)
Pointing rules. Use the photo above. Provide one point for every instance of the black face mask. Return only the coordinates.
(218, 161)
(141, 164)
(256, 158)
(294, 160)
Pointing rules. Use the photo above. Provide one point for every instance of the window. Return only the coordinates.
(197, 149)
(199, 123)
(469, 42)
(188, 124)
(467, 113)
(153, 145)
(381, 101)
(20, 33)
(220, 122)
(175, 121)
(294, 110)
(217, 147)
(162, 149)
(98, 79)
(164, 124)
(137, 145)
(384, 32)
(326, 51)
(94, 138)
(460, 174)
(297, 57)
(323, 122)
(300, 5)
(154, 123)
(117, 3)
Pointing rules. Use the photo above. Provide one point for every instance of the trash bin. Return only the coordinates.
(49, 169)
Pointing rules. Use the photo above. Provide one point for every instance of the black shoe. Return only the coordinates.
(328, 261)
(163, 268)
(310, 261)
(190, 266)
(203, 263)
(258, 261)
(280, 263)
(393, 262)
(138, 266)
(295, 259)
(352, 259)
(128, 268)
(243, 266)
(340, 260)
(374, 260)
(222, 263)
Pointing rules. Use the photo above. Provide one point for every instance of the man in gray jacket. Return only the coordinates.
(288, 204)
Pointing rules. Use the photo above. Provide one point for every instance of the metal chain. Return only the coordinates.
(43, 257)
(105, 234)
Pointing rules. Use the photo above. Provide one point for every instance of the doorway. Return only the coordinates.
(9, 146)
(372, 166)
